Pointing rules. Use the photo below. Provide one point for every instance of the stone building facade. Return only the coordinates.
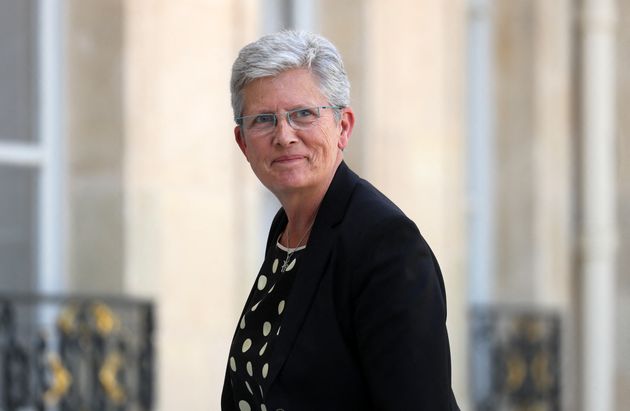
(475, 117)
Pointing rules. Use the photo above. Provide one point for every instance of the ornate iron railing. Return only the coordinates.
(76, 353)
(515, 359)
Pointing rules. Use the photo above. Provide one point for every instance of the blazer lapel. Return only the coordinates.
(313, 265)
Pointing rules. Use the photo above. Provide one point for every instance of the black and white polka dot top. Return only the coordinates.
(258, 329)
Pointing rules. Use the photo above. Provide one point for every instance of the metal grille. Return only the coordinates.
(515, 359)
(76, 353)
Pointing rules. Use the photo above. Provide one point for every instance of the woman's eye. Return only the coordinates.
(304, 113)
(264, 119)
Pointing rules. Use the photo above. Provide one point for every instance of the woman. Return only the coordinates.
(348, 310)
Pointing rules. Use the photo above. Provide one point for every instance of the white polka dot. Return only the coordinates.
(243, 323)
(265, 370)
(250, 370)
(278, 333)
(262, 350)
(290, 267)
(271, 289)
(262, 282)
(262, 407)
(249, 388)
(233, 363)
(274, 268)
(280, 307)
(266, 328)
(247, 345)
(261, 391)
(256, 305)
(244, 406)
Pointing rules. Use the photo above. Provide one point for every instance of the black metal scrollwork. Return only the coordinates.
(76, 353)
(515, 359)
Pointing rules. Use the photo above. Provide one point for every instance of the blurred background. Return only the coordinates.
(131, 227)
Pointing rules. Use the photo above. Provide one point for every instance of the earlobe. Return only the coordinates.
(343, 140)
(346, 126)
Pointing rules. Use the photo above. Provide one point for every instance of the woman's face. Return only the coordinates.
(285, 160)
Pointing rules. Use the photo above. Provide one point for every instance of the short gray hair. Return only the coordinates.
(285, 50)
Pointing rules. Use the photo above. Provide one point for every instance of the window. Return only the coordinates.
(30, 146)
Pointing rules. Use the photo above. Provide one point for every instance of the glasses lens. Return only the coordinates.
(304, 117)
(259, 124)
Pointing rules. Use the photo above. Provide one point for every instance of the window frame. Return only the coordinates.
(46, 153)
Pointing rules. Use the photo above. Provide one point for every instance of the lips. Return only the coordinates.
(288, 159)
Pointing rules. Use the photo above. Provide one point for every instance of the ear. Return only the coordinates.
(240, 140)
(346, 125)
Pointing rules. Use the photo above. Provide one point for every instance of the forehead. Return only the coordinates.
(287, 90)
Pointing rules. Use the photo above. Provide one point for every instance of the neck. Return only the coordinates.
(299, 225)
(301, 208)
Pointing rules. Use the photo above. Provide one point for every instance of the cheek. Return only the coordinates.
(329, 140)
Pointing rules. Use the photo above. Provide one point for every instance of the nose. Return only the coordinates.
(284, 134)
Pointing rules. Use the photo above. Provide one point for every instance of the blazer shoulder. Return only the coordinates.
(371, 216)
(369, 206)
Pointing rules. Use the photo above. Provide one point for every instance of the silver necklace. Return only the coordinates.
(290, 251)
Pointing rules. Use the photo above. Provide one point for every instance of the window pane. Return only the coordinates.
(18, 228)
(18, 70)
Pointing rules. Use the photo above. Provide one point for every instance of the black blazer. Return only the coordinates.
(364, 327)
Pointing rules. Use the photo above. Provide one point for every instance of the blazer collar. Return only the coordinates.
(334, 203)
(314, 262)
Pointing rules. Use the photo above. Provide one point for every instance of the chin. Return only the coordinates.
(288, 184)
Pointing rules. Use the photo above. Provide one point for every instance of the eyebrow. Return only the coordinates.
(293, 108)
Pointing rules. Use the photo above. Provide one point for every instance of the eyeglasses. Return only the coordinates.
(299, 119)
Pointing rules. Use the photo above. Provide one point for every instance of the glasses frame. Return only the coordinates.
(241, 120)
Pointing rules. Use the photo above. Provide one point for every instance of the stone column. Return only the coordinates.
(623, 187)
(481, 169)
(598, 201)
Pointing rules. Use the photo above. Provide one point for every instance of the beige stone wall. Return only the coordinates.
(185, 192)
(534, 92)
(96, 145)
(514, 67)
